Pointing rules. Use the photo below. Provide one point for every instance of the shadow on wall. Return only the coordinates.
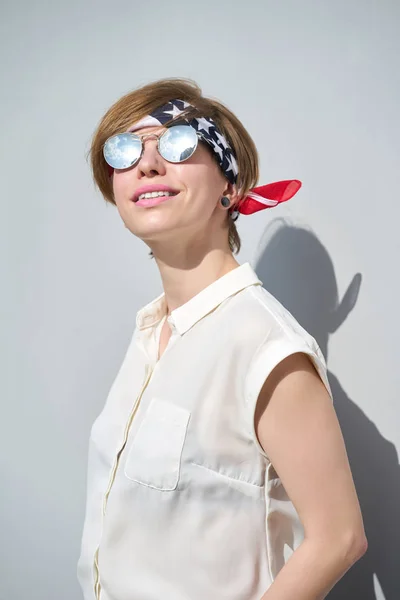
(296, 268)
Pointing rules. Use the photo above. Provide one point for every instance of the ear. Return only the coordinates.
(232, 192)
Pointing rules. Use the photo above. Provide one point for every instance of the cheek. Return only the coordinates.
(201, 180)
(121, 186)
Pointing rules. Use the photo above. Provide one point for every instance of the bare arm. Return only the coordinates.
(297, 426)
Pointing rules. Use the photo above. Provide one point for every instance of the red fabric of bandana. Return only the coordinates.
(268, 196)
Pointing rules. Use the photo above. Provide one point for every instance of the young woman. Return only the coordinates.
(217, 468)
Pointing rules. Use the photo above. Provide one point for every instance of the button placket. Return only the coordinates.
(147, 376)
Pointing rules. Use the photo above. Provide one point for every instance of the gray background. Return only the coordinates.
(317, 86)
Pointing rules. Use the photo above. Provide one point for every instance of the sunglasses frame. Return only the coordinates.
(199, 137)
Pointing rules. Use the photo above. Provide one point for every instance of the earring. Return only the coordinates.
(225, 201)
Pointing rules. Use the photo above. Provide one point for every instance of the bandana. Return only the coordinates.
(258, 198)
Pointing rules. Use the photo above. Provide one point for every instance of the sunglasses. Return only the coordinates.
(176, 144)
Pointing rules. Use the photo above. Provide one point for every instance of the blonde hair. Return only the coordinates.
(140, 102)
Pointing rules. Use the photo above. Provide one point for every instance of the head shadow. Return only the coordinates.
(296, 268)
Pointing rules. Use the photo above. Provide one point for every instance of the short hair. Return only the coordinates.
(142, 101)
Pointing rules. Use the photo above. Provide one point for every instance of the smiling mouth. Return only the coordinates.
(154, 200)
(155, 195)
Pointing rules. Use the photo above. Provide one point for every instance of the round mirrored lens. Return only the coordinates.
(122, 150)
(178, 143)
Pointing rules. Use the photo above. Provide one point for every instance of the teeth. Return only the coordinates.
(155, 194)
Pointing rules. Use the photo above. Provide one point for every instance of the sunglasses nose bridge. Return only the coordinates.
(149, 158)
(150, 135)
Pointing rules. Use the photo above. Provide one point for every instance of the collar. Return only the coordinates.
(189, 313)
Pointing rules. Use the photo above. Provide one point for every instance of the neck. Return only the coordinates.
(184, 280)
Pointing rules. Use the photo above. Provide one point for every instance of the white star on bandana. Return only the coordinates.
(221, 139)
(174, 112)
(232, 163)
(204, 124)
(217, 148)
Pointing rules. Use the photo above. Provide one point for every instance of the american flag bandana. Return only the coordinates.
(258, 198)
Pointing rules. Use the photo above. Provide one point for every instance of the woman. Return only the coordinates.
(217, 468)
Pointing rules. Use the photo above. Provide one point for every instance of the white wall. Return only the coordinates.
(318, 86)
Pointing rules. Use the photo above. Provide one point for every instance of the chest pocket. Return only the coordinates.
(154, 458)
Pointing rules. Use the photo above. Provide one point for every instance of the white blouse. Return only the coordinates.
(182, 501)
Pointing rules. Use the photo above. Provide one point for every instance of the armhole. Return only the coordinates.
(268, 356)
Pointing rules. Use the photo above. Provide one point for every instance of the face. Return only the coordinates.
(194, 216)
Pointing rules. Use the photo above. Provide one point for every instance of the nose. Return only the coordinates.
(151, 162)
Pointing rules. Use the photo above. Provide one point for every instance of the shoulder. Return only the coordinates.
(260, 317)
(277, 335)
